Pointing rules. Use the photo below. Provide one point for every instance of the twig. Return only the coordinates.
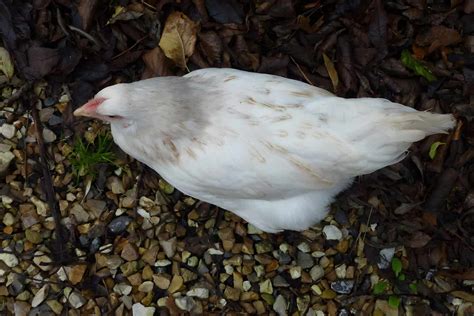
(130, 48)
(301, 71)
(61, 236)
(85, 34)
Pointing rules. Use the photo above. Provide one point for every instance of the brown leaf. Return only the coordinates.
(156, 64)
(331, 71)
(86, 10)
(179, 38)
(378, 28)
(229, 11)
(42, 61)
(438, 36)
(211, 45)
(418, 240)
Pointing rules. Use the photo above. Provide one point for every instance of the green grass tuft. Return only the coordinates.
(86, 156)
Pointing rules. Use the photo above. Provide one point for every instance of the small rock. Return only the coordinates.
(193, 261)
(76, 273)
(263, 247)
(146, 203)
(161, 282)
(55, 306)
(279, 281)
(113, 262)
(214, 252)
(198, 292)
(302, 303)
(96, 207)
(5, 160)
(119, 224)
(328, 294)
(304, 260)
(169, 247)
(146, 287)
(45, 113)
(342, 286)
(280, 305)
(176, 284)
(115, 185)
(8, 130)
(48, 135)
(20, 308)
(42, 261)
(266, 287)
(246, 285)
(304, 247)
(10, 259)
(76, 300)
(79, 213)
(33, 236)
(316, 272)
(341, 271)
(55, 120)
(139, 309)
(185, 303)
(129, 252)
(8, 219)
(231, 293)
(41, 207)
(295, 272)
(122, 289)
(385, 257)
(40, 296)
(331, 232)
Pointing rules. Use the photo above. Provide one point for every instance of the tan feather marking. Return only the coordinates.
(275, 107)
(297, 163)
(191, 153)
(169, 143)
(230, 78)
(282, 133)
(266, 91)
(282, 118)
(306, 168)
(199, 142)
(302, 93)
(257, 155)
(276, 148)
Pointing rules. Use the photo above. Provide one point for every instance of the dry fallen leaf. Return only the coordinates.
(179, 38)
(6, 64)
(331, 71)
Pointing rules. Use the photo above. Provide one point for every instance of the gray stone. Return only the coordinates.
(342, 286)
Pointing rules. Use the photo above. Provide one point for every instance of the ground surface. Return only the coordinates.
(86, 230)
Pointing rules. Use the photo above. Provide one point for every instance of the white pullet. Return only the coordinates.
(274, 151)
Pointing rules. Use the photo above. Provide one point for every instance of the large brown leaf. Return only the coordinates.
(179, 38)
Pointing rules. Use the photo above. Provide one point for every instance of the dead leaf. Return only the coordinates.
(229, 11)
(6, 64)
(156, 64)
(86, 10)
(418, 240)
(179, 38)
(438, 36)
(331, 71)
(211, 45)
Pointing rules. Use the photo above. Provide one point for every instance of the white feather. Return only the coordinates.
(272, 150)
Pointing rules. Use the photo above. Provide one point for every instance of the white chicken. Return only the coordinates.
(274, 151)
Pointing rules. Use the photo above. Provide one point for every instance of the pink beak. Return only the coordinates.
(90, 108)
